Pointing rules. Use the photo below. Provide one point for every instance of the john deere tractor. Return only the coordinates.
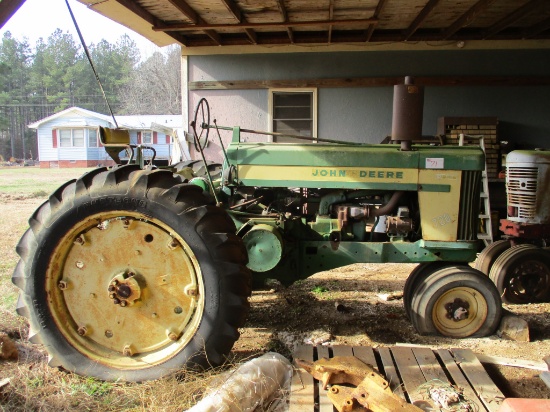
(132, 272)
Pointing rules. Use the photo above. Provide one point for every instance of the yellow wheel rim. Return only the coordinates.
(460, 312)
(125, 290)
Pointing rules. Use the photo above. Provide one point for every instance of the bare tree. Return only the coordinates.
(155, 85)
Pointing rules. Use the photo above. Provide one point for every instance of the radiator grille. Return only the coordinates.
(521, 188)
(468, 223)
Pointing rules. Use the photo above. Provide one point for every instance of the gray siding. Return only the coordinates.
(364, 114)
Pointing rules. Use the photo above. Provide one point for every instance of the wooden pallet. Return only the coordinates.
(410, 371)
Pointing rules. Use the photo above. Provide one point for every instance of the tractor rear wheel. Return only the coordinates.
(522, 274)
(132, 274)
(457, 302)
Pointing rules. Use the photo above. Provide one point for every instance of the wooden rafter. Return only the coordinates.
(377, 12)
(237, 13)
(536, 29)
(330, 17)
(466, 18)
(148, 17)
(284, 13)
(9, 7)
(192, 15)
(420, 18)
(193, 27)
(525, 10)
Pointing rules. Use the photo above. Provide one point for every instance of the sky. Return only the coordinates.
(40, 18)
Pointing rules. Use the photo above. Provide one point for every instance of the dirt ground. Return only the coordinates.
(307, 311)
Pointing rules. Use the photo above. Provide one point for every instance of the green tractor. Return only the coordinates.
(132, 272)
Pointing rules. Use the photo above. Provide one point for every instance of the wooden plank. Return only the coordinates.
(322, 352)
(302, 390)
(429, 365)
(390, 372)
(341, 350)
(459, 379)
(519, 363)
(488, 392)
(410, 372)
(366, 355)
(325, 405)
(371, 82)
(545, 376)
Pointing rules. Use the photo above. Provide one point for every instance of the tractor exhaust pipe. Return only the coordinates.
(408, 105)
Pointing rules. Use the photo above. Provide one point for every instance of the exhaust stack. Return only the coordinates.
(408, 105)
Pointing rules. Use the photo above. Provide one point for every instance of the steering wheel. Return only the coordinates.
(202, 116)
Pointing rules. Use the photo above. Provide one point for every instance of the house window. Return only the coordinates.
(147, 137)
(92, 137)
(293, 112)
(71, 138)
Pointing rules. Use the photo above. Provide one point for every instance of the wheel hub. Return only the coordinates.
(134, 304)
(124, 289)
(457, 310)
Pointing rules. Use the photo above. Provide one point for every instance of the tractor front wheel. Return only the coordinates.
(132, 274)
(457, 302)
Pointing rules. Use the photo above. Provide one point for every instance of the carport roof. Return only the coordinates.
(223, 26)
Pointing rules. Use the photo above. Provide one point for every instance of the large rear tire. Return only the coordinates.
(132, 274)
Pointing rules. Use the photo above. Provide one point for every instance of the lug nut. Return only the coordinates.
(82, 331)
(191, 291)
(123, 303)
(172, 336)
(62, 285)
(127, 351)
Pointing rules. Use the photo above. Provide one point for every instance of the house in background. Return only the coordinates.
(70, 138)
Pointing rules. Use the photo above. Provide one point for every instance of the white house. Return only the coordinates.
(70, 138)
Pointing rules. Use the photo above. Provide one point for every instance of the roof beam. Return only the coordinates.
(330, 17)
(8, 9)
(233, 9)
(193, 27)
(537, 28)
(282, 9)
(466, 18)
(377, 12)
(420, 18)
(192, 15)
(525, 10)
(238, 15)
(148, 17)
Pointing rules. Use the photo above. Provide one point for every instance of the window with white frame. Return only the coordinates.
(92, 137)
(71, 137)
(293, 112)
(146, 137)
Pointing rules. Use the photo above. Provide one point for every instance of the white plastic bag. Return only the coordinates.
(250, 385)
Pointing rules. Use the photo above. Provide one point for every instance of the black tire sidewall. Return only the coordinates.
(435, 290)
(185, 224)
